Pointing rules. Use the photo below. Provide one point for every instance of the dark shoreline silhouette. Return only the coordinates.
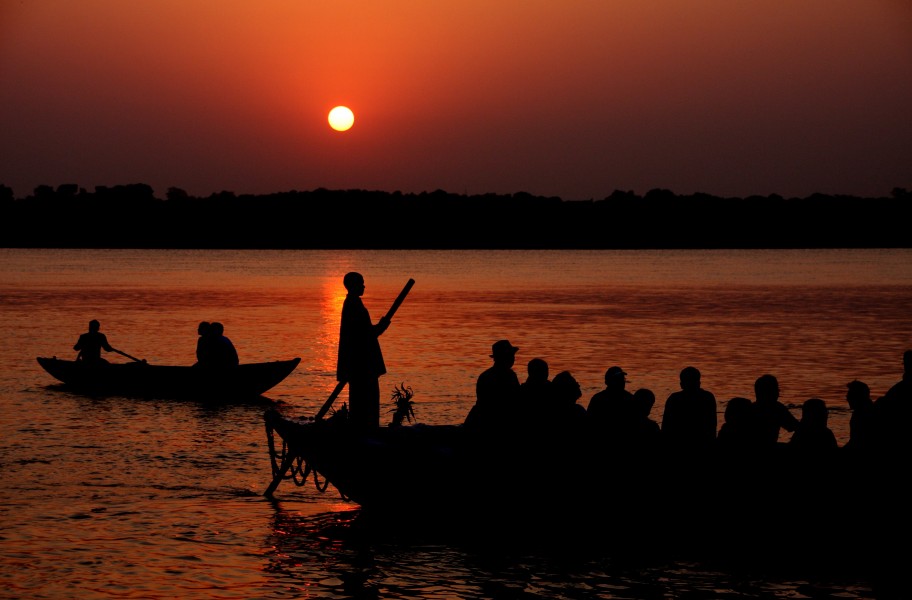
(131, 216)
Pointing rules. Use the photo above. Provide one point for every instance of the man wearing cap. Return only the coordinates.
(496, 390)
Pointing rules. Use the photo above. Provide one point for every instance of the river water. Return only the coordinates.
(114, 497)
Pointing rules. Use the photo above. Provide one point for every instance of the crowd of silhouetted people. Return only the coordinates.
(547, 410)
(681, 473)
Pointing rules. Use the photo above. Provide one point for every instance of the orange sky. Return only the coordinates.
(573, 99)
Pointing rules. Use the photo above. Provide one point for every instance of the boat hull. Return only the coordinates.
(842, 515)
(397, 470)
(170, 381)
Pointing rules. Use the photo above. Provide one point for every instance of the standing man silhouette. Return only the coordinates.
(360, 360)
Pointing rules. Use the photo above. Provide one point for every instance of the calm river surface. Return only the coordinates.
(112, 497)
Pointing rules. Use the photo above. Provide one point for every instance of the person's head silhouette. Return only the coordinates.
(766, 388)
(354, 283)
(615, 378)
(503, 352)
(538, 369)
(690, 378)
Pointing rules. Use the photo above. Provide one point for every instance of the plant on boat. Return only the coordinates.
(403, 405)
(340, 414)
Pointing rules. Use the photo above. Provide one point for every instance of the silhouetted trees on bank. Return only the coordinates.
(131, 216)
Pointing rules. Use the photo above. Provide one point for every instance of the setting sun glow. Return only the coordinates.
(341, 118)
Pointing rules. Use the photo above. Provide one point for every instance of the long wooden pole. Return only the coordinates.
(398, 301)
(389, 316)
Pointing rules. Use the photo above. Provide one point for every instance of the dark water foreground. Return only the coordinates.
(661, 529)
(358, 556)
(771, 514)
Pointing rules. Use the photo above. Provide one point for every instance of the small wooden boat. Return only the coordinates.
(169, 381)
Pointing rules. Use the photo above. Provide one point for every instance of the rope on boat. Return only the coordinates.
(317, 483)
(299, 470)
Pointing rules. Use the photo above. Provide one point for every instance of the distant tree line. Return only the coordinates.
(130, 216)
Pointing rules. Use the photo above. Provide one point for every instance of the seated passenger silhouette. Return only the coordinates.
(563, 428)
(495, 440)
(204, 344)
(90, 345)
(737, 451)
(860, 454)
(611, 411)
(894, 415)
(770, 415)
(646, 435)
(689, 435)
(223, 352)
(496, 392)
(737, 435)
(813, 437)
(563, 410)
(812, 466)
(560, 412)
(534, 394)
(889, 483)
(863, 434)
(902, 390)
(643, 461)
(689, 419)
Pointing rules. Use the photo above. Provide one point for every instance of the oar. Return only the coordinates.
(389, 316)
(127, 355)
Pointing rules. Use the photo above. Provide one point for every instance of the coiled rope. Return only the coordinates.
(299, 470)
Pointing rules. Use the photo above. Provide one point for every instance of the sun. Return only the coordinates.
(341, 118)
